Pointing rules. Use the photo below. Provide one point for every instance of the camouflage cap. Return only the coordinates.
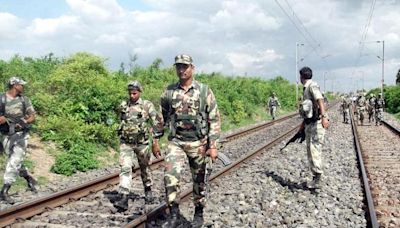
(135, 85)
(16, 80)
(184, 59)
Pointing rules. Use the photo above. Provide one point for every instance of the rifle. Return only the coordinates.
(299, 137)
(209, 163)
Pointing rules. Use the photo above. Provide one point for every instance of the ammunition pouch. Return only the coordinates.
(195, 127)
(12, 128)
(133, 131)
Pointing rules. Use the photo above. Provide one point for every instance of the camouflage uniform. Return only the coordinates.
(273, 102)
(15, 145)
(361, 103)
(183, 114)
(371, 108)
(379, 105)
(137, 123)
(314, 130)
(346, 110)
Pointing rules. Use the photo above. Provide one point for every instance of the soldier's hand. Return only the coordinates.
(325, 122)
(213, 153)
(155, 148)
(3, 120)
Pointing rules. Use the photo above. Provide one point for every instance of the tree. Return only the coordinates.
(398, 78)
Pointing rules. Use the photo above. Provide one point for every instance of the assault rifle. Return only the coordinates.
(209, 163)
(299, 137)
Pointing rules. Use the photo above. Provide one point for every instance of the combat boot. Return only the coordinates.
(173, 219)
(148, 195)
(198, 218)
(122, 204)
(4, 194)
(31, 181)
(316, 182)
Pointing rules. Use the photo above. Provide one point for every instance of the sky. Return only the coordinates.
(341, 40)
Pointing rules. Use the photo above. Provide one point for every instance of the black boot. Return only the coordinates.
(31, 182)
(316, 182)
(198, 218)
(173, 219)
(148, 194)
(4, 194)
(122, 204)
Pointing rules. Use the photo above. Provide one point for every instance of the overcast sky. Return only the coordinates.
(235, 37)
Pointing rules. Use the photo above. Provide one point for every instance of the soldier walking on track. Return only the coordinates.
(190, 109)
(379, 105)
(371, 108)
(138, 129)
(360, 104)
(345, 106)
(315, 122)
(16, 115)
(273, 103)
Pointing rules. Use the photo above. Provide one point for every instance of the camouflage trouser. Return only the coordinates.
(15, 152)
(272, 111)
(378, 115)
(371, 114)
(315, 134)
(361, 114)
(126, 162)
(174, 164)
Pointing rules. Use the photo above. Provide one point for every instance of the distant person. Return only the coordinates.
(379, 106)
(345, 106)
(371, 108)
(315, 122)
(273, 103)
(16, 115)
(361, 102)
(139, 122)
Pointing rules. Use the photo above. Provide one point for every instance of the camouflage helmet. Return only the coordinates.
(380, 94)
(183, 59)
(16, 81)
(135, 85)
(273, 93)
(372, 95)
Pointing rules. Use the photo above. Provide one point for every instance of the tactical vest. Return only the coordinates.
(133, 127)
(379, 103)
(9, 127)
(198, 122)
(272, 102)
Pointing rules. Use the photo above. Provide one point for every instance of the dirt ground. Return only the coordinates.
(42, 160)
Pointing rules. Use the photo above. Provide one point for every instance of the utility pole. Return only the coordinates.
(297, 73)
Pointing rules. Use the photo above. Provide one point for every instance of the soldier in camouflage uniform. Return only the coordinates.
(345, 106)
(371, 108)
(273, 103)
(315, 122)
(379, 105)
(190, 109)
(361, 102)
(17, 113)
(139, 123)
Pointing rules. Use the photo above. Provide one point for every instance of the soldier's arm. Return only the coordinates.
(30, 113)
(156, 121)
(164, 107)
(213, 120)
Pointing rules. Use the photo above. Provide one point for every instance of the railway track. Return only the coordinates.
(93, 200)
(379, 161)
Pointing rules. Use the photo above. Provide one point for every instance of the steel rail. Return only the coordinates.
(26, 210)
(142, 220)
(392, 128)
(371, 214)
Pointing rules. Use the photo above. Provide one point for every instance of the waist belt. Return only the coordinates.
(311, 120)
(187, 134)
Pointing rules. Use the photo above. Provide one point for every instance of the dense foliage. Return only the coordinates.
(76, 99)
(392, 98)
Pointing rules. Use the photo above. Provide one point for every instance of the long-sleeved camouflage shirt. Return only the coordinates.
(139, 120)
(188, 103)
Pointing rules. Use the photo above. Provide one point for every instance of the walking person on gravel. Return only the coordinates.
(16, 115)
(190, 110)
(273, 103)
(379, 105)
(137, 132)
(315, 122)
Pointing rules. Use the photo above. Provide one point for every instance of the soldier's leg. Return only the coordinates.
(16, 155)
(316, 141)
(126, 163)
(197, 162)
(143, 154)
(273, 112)
(174, 162)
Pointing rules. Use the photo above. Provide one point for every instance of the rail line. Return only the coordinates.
(379, 163)
(48, 203)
